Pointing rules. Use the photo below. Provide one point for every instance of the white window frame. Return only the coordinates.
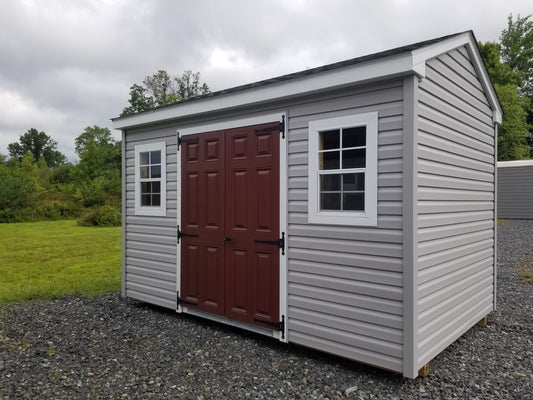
(160, 210)
(368, 217)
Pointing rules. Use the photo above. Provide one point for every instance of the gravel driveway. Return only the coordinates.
(113, 348)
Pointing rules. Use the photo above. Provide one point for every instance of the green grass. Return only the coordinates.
(54, 258)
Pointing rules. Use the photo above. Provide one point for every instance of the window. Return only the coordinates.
(150, 179)
(343, 170)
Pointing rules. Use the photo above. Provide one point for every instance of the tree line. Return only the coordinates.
(38, 183)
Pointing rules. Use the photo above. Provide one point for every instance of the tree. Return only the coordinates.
(160, 85)
(40, 145)
(93, 135)
(98, 151)
(517, 52)
(517, 49)
(139, 101)
(188, 85)
(161, 88)
(514, 130)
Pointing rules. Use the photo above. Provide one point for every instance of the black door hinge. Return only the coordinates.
(180, 301)
(280, 326)
(181, 141)
(280, 128)
(181, 234)
(279, 242)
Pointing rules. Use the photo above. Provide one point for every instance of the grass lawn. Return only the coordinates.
(54, 258)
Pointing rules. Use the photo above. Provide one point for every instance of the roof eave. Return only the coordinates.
(394, 65)
(379, 69)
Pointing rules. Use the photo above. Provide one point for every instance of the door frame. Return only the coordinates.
(238, 122)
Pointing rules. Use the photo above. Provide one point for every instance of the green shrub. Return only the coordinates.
(15, 191)
(92, 192)
(10, 215)
(105, 215)
(55, 210)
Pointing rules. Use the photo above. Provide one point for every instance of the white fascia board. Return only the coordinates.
(375, 69)
(422, 55)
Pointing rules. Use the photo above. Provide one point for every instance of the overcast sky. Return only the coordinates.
(66, 65)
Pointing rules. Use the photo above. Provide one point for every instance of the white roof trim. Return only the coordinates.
(422, 55)
(517, 163)
(413, 62)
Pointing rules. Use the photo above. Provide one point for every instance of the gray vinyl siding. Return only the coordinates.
(345, 282)
(515, 192)
(150, 247)
(455, 204)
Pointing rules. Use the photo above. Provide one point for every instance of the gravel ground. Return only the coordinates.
(113, 348)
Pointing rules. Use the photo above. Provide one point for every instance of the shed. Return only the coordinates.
(349, 208)
(515, 189)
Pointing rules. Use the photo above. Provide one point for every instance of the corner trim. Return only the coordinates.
(410, 236)
(123, 209)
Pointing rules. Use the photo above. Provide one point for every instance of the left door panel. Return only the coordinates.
(202, 222)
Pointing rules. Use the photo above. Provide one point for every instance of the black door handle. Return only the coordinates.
(227, 239)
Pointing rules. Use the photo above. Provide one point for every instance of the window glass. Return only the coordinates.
(353, 182)
(146, 187)
(155, 157)
(330, 140)
(146, 200)
(330, 201)
(144, 158)
(354, 137)
(330, 182)
(353, 201)
(353, 158)
(155, 171)
(144, 173)
(330, 160)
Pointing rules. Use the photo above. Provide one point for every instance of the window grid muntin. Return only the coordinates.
(360, 130)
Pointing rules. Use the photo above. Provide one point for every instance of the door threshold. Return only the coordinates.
(227, 321)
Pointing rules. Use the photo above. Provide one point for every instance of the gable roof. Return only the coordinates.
(401, 61)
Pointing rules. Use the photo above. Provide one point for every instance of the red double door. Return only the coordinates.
(230, 223)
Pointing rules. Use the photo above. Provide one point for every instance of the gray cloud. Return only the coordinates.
(66, 65)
